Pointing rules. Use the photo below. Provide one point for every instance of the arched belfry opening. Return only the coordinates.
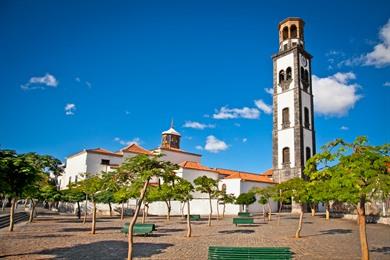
(293, 31)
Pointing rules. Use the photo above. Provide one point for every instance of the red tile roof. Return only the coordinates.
(103, 151)
(249, 177)
(196, 166)
(134, 148)
(267, 173)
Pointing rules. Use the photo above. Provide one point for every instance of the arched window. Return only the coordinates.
(302, 73)
(307, 75)
(286, 156)
(281, 76)
(307, 117)
(288, 73)
(285, 33)
(285, 117)
(308, 153)
(293, 31)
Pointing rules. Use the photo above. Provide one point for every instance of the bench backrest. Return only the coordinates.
(249, 253)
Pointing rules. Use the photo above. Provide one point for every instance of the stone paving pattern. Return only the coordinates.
(65, 237)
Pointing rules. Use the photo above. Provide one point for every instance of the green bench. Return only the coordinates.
(238, 253)
(194, 217)
(143, 229)
(244, 214)
(242, 221)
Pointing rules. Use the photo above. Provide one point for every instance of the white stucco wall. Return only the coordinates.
(75, 165)
(178, 157)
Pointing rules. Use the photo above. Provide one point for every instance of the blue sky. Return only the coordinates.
(86, 74)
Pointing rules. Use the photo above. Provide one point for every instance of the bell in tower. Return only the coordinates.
(170, 138)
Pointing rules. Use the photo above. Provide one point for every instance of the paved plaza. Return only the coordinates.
(64, 237)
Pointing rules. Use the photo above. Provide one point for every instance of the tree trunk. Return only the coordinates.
(298, 233)
(313, 212)
(147, 210)
(263, 213)
(85, 209)
(25, 203)
(189, 230)
(122, 210)
(362, 229)
(211, 210)
(269, 212)
(78, 210)
(327, 211)
(223, 210)
(5, 200)
(182, 205)
(168, 210)
(11, 215)
(217, 209)
(384, 213)
(32, 211)
(280, 212)
(109, 205)
(143, 215)
(93, 217)
(133, 220)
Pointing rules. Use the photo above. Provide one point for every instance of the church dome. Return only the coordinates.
(171, 131)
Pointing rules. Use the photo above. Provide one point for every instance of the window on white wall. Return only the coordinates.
(286, 156)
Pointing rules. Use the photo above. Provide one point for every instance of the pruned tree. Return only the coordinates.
(136, 172)
(246, 199)
(91, 185)
(360, 174)
(184, 191)
(298, 190)
(226, 198)
(207, 185)
(265, 194)
(73, 195)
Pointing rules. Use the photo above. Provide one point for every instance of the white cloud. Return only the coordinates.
(269, 91)
(197, 125)
(380, 56)
(89, 85)
(386, 84)
(77, 79)
(237, 124)
(135, 140)
(344, 128)
(231, 113)
(40, 82)
(263, 106)
(213, 145)
(70, 109)
(199, 147)
(335, 95)
(244, 140)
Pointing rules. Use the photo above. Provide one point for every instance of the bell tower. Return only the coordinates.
(170, 138)
(293, 118)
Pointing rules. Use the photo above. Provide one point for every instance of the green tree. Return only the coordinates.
(265, 195)
(245, 199)
(137, 172)
(225, 198)
(122, 195)
(91, 185)
(207, 185)
(184, 190)
(360, 174)
(298, 189)
(17, 172)
(73, 195)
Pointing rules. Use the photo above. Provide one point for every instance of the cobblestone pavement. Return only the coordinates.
(64, 237)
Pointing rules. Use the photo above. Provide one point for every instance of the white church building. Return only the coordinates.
(293, 135)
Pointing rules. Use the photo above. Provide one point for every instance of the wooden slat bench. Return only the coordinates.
(244, 214)
(143, 229)
(238, 253)
(241, 221)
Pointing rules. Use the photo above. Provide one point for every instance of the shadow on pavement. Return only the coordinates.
(89, 229)
(242, 231)
(385, 250)
(101, 250)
